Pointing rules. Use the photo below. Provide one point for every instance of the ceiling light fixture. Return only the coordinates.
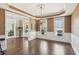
(41, 7)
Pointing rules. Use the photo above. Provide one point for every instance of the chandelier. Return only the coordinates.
(41, 7)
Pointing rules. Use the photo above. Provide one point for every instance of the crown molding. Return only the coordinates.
(17, 9)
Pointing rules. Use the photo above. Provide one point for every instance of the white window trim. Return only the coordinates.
(63, 25)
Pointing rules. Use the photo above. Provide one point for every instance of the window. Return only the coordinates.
(59, 26)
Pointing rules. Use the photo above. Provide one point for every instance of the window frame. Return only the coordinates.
(55, 30)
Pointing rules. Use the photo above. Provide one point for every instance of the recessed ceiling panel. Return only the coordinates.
(49, 9)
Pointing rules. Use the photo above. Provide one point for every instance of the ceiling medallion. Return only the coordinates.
(41, 6)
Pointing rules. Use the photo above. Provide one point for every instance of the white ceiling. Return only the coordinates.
(49, 9)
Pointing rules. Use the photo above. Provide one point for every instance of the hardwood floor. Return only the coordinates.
(48, 47)
(44, 47)
(17, 46)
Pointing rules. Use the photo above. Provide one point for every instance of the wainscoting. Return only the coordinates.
(75, 43)
(32, 35)
(51, 36)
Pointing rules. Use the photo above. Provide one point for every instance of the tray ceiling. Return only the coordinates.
(50, 8)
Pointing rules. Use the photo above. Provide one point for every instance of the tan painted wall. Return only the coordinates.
(37, 25)
(67, 23)
(2, 22)
(75, 21)
(50, 25)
